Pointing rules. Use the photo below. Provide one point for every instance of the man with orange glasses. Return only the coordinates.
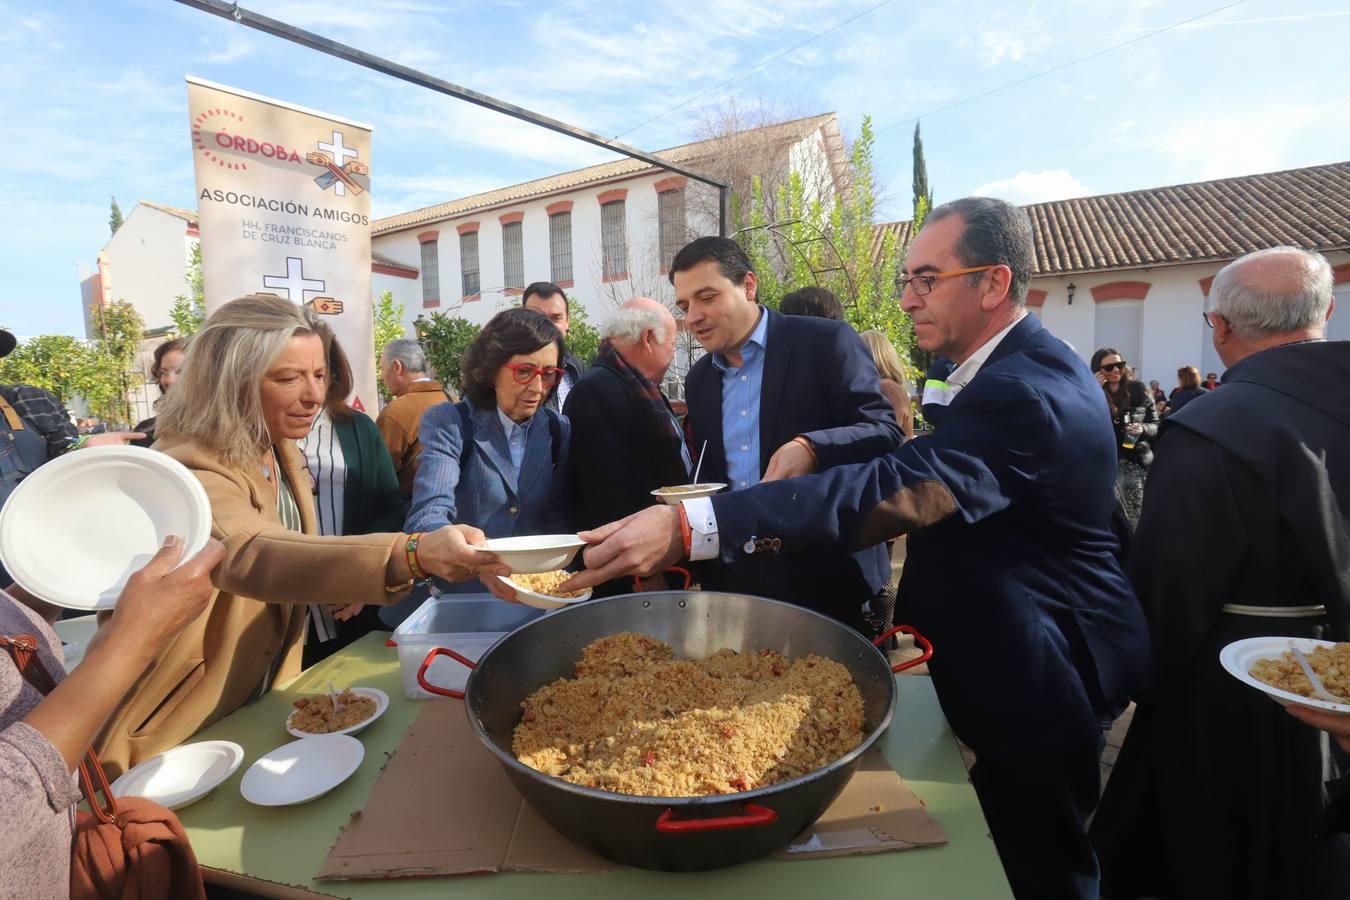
(1012, 570)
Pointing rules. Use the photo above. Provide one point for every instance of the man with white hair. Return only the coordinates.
(404, 371)
(626, 441)
(1244, 532)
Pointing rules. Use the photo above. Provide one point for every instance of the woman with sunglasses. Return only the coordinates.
(1136, 422)
(496, 459)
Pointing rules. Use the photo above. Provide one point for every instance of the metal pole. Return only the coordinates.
(234, 12)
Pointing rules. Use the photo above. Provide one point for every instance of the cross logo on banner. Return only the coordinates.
(339, 152)
(294, 282)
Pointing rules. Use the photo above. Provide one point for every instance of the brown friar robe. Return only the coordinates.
(251, 633)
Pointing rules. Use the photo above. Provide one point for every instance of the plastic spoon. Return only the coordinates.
(334, 697)
(698, 467)
(1319, 690)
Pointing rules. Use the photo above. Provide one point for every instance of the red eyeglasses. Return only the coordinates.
(524, 373)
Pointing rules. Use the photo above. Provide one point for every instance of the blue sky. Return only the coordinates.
(94, 104)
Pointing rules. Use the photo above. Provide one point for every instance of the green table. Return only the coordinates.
(276, 851)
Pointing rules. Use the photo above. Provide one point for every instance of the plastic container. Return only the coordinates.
(467, 623)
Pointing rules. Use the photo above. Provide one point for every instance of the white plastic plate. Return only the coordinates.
(672, 498)
(182, 775)
(302, 770)
(80, 526)
(1238, 657)
(543, 601)
(381, 704)
(536, 552)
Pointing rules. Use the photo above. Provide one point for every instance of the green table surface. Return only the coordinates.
(279, 849)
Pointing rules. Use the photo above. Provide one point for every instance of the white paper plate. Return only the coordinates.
(381, 704)
(536, 552)
(1238, 657)
(543, 601)
(672, 498)
(182, 775)
(77, 528)
(302, 770)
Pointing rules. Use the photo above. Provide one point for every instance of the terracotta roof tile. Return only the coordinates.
(1186, 223)
(788, 132)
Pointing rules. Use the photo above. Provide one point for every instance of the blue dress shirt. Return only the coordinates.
(740, 407)
(515, 438)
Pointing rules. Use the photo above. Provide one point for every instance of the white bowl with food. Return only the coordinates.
(673, 494)
(533, 553)
(357, 707)
(540, 589)
(1267, 664)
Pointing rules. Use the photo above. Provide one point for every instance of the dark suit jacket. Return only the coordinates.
(615, 462)
(820, 382)
(1012, 571)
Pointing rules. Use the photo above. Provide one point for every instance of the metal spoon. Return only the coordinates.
(1319, 690)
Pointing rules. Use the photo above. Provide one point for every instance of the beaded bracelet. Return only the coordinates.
(413, 565)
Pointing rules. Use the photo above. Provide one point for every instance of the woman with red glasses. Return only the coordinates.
(1136, 422)
(497, 458)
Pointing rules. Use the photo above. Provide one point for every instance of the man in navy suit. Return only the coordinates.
(777, 396)
(1012, 569)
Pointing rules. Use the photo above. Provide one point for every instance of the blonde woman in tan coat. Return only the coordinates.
(252, 383)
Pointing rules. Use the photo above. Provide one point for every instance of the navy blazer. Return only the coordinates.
(820, 382)
(475, 485)
(1038, 639)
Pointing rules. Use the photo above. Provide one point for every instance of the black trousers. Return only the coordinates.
(1038, 809)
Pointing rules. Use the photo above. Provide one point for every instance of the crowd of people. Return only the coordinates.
(1076, 540)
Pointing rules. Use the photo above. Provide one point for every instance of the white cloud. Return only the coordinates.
(1034, 187)
(236, 48)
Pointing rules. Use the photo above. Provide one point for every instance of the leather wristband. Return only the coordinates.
(686, 532)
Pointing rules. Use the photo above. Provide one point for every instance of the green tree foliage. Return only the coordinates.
(118, 332)
(923, 194)
(445, 338)
(583, 340)
(55, 362)
(189, 311)
(115, 219)
(835, 245)
(388, 327)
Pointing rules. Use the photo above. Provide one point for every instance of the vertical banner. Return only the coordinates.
(283, 206)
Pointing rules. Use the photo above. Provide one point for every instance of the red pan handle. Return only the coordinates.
(918, 639)
(426, 664)
(754, 815)
(688, 578)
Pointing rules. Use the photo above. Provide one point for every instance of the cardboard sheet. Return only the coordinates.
(444, 806)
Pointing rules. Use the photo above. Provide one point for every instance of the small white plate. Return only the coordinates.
(1238, 657)
(536, 552)
(302, 770)
(672, 498)
(129, 500)
(381, 704)
(542, 601)
(182, 775)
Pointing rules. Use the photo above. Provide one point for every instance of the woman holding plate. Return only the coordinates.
(257, 376)
(498, 458)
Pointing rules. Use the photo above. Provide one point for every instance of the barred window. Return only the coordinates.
(513, 256)
(560, 247)
(670, 213)
(468, 262)
(431, 273)
(613, 241)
